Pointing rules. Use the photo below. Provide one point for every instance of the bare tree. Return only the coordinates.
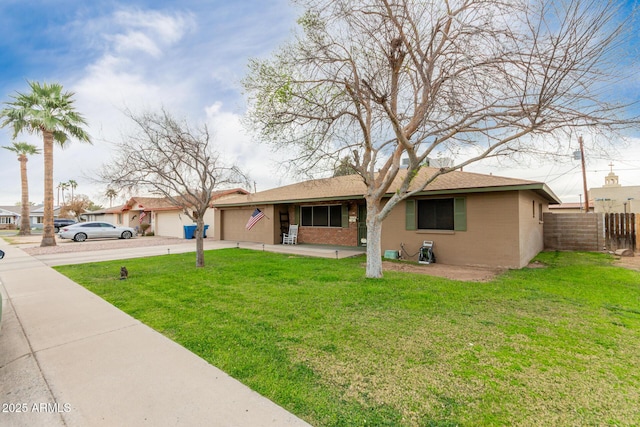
(382, 80)
(167, 157)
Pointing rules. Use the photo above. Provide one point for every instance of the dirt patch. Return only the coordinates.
(454, 272)
(630, 262)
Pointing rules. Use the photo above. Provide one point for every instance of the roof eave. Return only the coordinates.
(538, 187)
(288, 201)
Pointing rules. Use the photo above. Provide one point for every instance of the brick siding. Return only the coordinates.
(339, 236)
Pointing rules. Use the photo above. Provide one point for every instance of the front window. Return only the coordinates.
(435, 214)
(321, 216)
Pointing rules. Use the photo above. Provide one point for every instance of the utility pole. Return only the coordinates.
(584, 176)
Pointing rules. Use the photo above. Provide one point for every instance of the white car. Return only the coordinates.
(95, 230)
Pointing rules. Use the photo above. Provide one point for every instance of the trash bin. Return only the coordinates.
(189, 231)
(204, 232)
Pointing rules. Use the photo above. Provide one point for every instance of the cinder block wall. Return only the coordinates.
(573, 232)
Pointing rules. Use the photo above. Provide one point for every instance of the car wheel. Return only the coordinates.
(80, 237)
(56, 230)
(126, 235)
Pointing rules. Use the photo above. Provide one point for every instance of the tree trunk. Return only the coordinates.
(25, 223)
(48, 236)
(199, 242)
(374, 243)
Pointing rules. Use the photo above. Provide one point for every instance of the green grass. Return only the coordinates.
(548, 346)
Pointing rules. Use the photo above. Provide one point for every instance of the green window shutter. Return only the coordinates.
(345, 215)
(460, 214)
(410, 215)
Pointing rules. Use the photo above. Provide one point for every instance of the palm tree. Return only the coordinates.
(49, 112)
(62, 186)
(111, 194)
(58, 188)
(73, 185)
(22, 149)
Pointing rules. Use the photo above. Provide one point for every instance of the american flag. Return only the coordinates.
(142, 215)
(255, 217)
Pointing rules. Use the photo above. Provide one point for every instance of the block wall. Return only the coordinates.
(573, 232)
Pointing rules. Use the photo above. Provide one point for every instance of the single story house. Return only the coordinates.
(473, 219)
(164, 217)
(107, 215)
(36, 215)
(9, 217)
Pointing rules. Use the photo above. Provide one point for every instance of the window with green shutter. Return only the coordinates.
(460, 214)
(437, 214)
(345, 215)
(410, 215)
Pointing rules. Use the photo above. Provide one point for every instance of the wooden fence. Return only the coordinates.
(620, 231)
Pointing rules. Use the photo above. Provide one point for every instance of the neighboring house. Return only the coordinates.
(106, 215)
(615, 198)
(165, 218)
(473, 219)
(9, 217)
(36, 216)
(574, 207)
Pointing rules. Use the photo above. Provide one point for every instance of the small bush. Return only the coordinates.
(144, 227)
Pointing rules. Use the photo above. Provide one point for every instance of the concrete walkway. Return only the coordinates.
(68, 358)
(83, 257)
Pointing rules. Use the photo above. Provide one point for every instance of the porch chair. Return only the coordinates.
(291, 238)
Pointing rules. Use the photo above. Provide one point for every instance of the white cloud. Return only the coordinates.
(142, 59)
(236, 146)
(148, 32)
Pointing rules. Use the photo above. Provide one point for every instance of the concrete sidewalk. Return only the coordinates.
(68, 358)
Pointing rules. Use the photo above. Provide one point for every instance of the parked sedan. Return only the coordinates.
(95, 230)
(58, 223)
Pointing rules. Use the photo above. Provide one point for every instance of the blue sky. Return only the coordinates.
(189, 57)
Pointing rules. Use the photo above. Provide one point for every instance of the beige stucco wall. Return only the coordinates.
(490, 218)
(111, 218)
(531, 225)
(503, 230)
(493, 236)
(171, 223)
(231, 225)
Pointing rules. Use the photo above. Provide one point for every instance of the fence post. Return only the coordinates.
(632, 223)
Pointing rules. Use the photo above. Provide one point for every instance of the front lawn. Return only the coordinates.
(548, 346)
